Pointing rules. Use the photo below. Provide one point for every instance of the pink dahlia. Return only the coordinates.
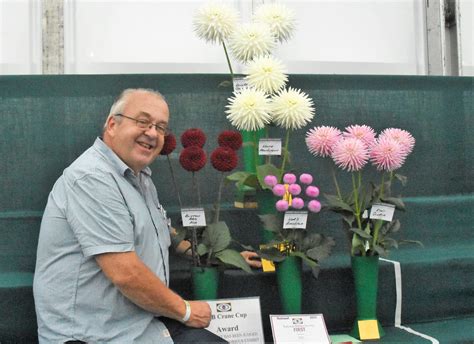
(387, 154)
(192, 158)
(193, 137)
(294, 189)
(362, 132)
(321, 140)
(231, 139)
(279, 190)
(289, 178)
(270, 180)
(314, 206)
(403, 137)
(169, 145)
(282, 205)
(306, 178)
(224, 159)
(297, 203)
(350, 154)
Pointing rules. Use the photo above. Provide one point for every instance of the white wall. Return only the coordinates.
(156, 36)
(20, 37)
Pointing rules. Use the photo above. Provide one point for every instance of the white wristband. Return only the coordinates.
(187, 315)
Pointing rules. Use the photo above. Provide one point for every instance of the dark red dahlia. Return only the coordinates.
(169, 145)
(193, 137)
(192, 158)
(224, 159)
(231, 139)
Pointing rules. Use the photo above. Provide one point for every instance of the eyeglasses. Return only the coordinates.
(145, 124)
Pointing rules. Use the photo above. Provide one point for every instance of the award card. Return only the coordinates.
(237, 320)
(299, 329)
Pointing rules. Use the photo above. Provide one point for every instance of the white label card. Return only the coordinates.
(382, 211)
(237, 320)
(295, 219)
(193, 217)
(299, 328)
(240, 83)
(269, 147)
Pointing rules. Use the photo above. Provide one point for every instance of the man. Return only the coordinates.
(102, 268)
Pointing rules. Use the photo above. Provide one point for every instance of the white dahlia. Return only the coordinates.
(267, 74)
(279, 18)
(249, 109)
(215, 22)
(292, 109)
(251, 40)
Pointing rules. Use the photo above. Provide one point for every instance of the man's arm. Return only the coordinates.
(139, 284)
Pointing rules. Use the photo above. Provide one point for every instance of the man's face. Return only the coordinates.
(138, 147)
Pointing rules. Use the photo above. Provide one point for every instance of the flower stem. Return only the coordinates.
(378, 223)
(175, 184)
(196, 260)
(356, 201)
(285, 154)
(255, 149)
(228, 61)
(336, 184)
(218, 203)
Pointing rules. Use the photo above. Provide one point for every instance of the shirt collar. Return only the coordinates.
(114, 160)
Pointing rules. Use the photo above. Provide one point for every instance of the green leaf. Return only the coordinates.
(272, 254)
(271, 222)
(394, 226)
(357, 245)
(251, 181)
(361, 233)
(336, 203)
(411, 242)
(305, 258)
(323, 250)
(380, 250)
(397, 202)
(389, 243)
(232, 257)
(265, 170)
(216, 236)
(202, 249)
(401, 178)
(225, 83)
(315, 271)
(237, 176)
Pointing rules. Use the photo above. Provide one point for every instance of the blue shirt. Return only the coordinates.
(98, 205)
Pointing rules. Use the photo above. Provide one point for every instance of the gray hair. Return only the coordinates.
(119, 103)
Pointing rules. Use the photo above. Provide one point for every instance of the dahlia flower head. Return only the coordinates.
(403, 137)
(193, 158)
(290, 192)
(267, 74)
(231, 139)
(387, 154)
(249, 109)
(292, 109)
(169, 145)
(193, 137)
(362, 132)
(279, 18)
(215, 22)
(224, 159)
(321, 140)
(251, 40)
(350, 154)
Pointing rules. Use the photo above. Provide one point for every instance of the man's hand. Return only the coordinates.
(200, 314)
(252, 259)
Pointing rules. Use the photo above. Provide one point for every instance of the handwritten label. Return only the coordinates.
(295, 219)
(299, 328)
(382, 211)
(269, 147)
(240, 83)
(193, 217)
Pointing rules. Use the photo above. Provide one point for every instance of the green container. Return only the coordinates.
(266, 205)
(251, 160)
(365, 271)
(205, 282)
(290, 284)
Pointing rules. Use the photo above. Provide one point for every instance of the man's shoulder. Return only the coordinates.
(89, 164)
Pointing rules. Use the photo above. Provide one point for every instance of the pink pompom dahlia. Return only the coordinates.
(362, 132)
(270, 180)
(281, 205)
(279, 190)
(289, 178)
(403, 137)
(297, 203)
(321, 140)
(306, 178)
(387, 154)
(314, 206)
(350, 154)
(312, 191)
(294, 189)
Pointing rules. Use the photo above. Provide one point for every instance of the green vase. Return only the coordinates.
(365, 271)
(205, 282)
(266, 205)
(290, 284)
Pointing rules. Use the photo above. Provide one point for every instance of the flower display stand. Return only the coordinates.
(365, 271)
(290, 284)
(266, 206)
(205, 282)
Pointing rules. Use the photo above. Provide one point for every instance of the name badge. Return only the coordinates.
(269, 147)
(295, 219)
(193, 217)
(382, 211)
